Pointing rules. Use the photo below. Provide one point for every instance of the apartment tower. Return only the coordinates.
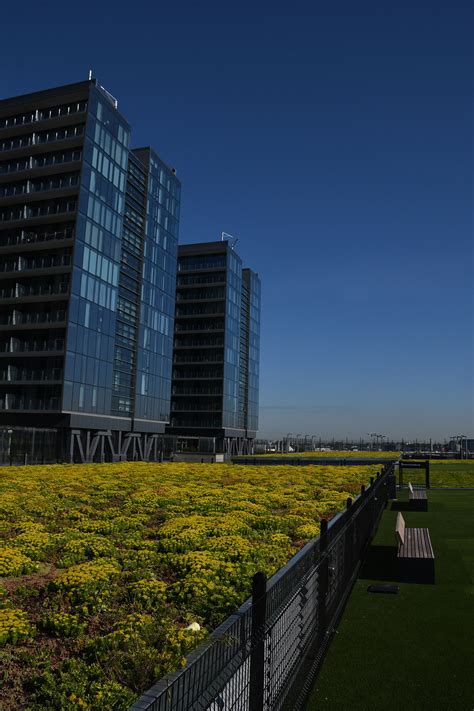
(216, 349)
(88, 250)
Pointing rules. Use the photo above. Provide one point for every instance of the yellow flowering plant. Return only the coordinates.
(125, 567)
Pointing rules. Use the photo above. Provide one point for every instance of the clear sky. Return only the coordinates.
(335, 141)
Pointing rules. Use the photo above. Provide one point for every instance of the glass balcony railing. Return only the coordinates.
(199, 311)
(22, 237)
(41, 138)
(29, 187)
(17, 346)
(183, 373)
(24, 265)
(206, 293)
(18, 318)
(28, 212)
(196, 391)
(200, 423)
(198, 407)
(196, 263)
(25, 403)
(25, 375)
(193, 359)
(43, 114)
(195, 343)
(200, 326)
(21, 290)
(39, 161)
(204, 279)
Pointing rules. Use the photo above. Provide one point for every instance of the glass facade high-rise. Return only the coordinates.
(216, 348)
(88, 254)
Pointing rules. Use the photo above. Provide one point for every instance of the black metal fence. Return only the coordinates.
(266, 655)
(32, 445)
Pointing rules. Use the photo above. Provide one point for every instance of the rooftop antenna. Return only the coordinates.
(234, 239)
(90, 74)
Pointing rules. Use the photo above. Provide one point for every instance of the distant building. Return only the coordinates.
(216, 348)
(88, 246)
(454, 445)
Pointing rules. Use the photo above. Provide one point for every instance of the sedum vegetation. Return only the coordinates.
(104, 566)
(334, 454)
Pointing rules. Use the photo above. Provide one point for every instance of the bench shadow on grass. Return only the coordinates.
(381, 563)
(401, 506)
(415, 506)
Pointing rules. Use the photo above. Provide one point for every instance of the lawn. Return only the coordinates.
(410, 651)
(447, 473)
(103, 567)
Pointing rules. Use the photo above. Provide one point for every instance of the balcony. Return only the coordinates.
(49, 160)
(186, 392)
(195, 360)
(13, 403)
(35, 319)
(24, 239)
(189, 281)
(197, 424)
(30, 376)
(191, 344)
(14, 347)
(34, 291)
(193, 312)
(35, 188)
(31, 212)
(42, 138)
(197, 327)
(200, 296)
(196, 407)
(35, 117)
(201, 374)
(35, 264)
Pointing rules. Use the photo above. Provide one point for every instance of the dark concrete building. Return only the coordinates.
(216, 349)
(88, 247)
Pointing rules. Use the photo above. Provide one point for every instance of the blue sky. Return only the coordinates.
(335, 140)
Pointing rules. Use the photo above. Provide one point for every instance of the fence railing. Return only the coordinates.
(265, 656)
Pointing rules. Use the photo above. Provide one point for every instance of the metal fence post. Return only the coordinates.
(427, 473)
(323, 579)
(348, 542)
(257, 654)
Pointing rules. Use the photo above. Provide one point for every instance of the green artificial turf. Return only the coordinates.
(447, 474)
(412, 651)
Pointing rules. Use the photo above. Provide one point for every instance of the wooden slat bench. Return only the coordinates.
(415, 553)
(417, 498)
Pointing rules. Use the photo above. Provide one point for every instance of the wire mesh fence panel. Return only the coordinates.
(236, 693)
(288, 637)
(336, 576)
(283, 584)
(299, 607)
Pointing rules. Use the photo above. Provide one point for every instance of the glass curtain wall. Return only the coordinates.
(231, 415)
(254, 295)
(155, 351)
(97, 250)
